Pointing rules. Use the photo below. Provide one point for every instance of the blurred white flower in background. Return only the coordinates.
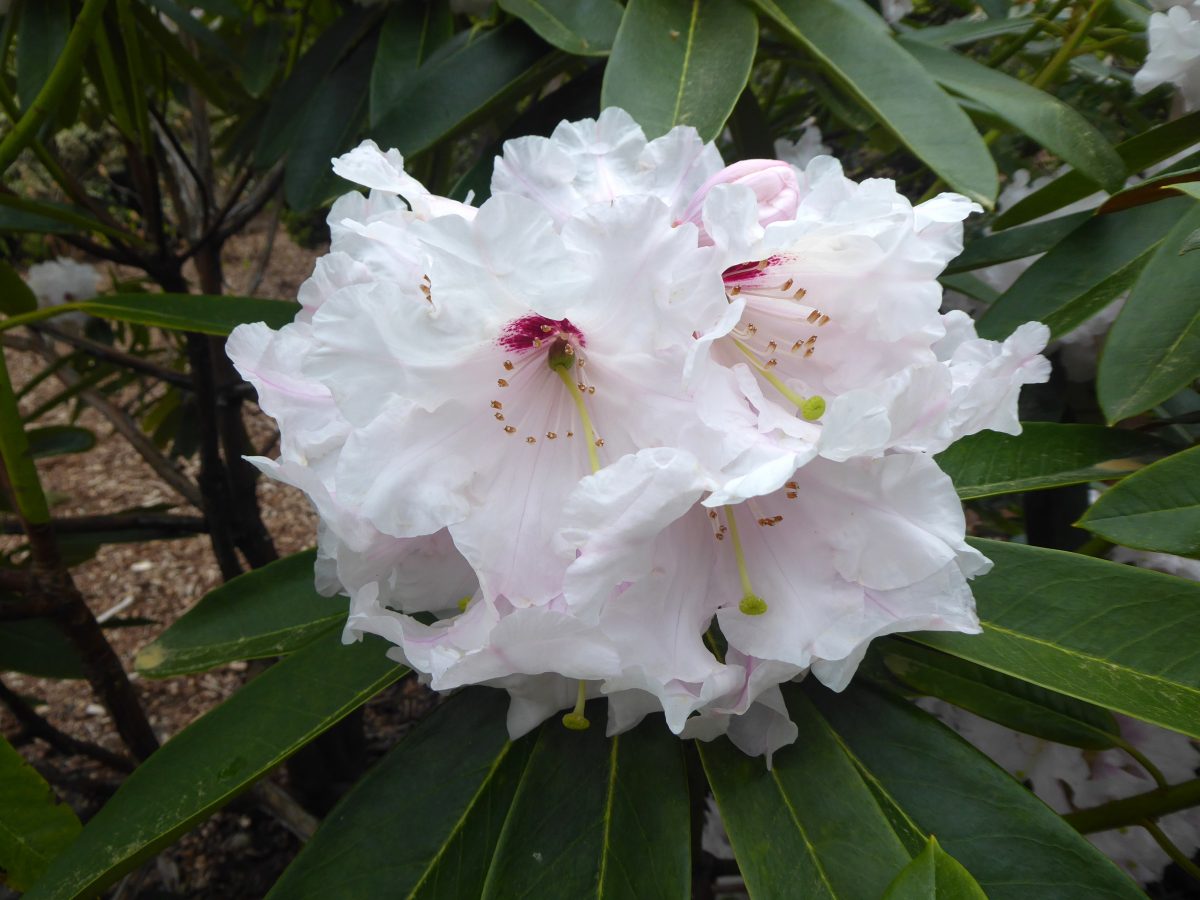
(1174, 54)
(552, 439)
(60, 281)
(1068, 779)
(800, 153)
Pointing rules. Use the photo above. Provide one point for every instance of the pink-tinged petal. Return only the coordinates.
(773, 183)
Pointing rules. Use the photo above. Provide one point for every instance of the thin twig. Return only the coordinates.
(37, 727)
(118, 357)
(168, 522)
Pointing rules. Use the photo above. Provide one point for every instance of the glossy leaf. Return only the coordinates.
(332, 119)
(596, 817)
(1045, 455)
(266, 612)
(217, 315)
(581, 27)
(1157, 509)
(1036, 113)
(455, 774)
(681, 62)
(1009, 841)
(42, 35)
(1088, 628)
(56, 440)
(289, 105)
(37, 647)
(1009, 701)
(1015, 243)
(216, 758)
(1153, 349)
(809, 822)
(967, 30)
(1084, 272)
(410, 33)
(1138, 152)
(855, 47)
(460, 83)
(34, 825)
(15, 295)
(934, 875)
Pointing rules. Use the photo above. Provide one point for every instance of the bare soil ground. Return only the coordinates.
(237, 853)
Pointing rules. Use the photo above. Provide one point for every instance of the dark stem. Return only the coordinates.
(164, 522)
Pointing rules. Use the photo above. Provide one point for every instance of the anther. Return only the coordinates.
(546, 329)
(509, 429)
(771, 363)
(792, 485)
(591, 389)
(720, 535)
(735, 290)
(582, 387)
(751, 329)
(499, 416)
(599, 442)
(799, 295)
(771, 345)
(712, 513)
(813, 316)
(531, 440)
(796, 346)
(809, 352)
(570, 434)
(501, 382)
(812, 340)
(496, 404)
(762, 264)
(791, 495)
(508, 365)
(787, 285)
(824, 319)
(551, 435)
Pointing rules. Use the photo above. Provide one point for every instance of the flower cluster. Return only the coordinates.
(639, 426)
(63, 280)
(1174, 56)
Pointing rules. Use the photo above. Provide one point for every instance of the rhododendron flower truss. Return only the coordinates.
(638, 426)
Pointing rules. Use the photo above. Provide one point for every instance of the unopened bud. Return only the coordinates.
(774, 185)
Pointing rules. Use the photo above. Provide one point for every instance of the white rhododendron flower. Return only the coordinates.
(1174, 55)
(800, 153)
(558, 440)
(1069, 779)
(63, 280)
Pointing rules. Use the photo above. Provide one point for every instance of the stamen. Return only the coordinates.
(496, 404)
(531, 440)
(508, 365)
(766, 373)
(751, 604)
(787, 285)
(576, 391)
(550, 435)
(501, 382)
(499, 416)
(575, 719)
(509, 429)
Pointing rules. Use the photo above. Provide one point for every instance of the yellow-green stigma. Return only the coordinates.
(575, 719)
(463, 604)
(813, 408)
(561, 357)
(752, 605)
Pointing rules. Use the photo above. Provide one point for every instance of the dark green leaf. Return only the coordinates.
(218, 314)
(1153, 349)
(1040, 115)
(15, 295)
(455, 774)
(410, 33)
(216, 758)
(1190, 243)
(1045, 455)
(267, 612)
(681, 62)
(582, 27)
(971, 286)
(1138, 152)
(1013, 703)
(1015, 243)
(36, 647)
(55, 440)
(597, 817)
(855, 47)
(463, 80)
(34, 825)
(934, 875)
(1156, 509)
(41, 36)
(1084, 272)
(1088, 628)
(289, 105)
(967, 31)
(810, 822)
(333, 117)
(262, 59)
(1009, 841)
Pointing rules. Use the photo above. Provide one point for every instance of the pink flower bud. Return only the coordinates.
(773, 182)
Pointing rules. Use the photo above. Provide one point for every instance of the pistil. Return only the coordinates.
(751, 604)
